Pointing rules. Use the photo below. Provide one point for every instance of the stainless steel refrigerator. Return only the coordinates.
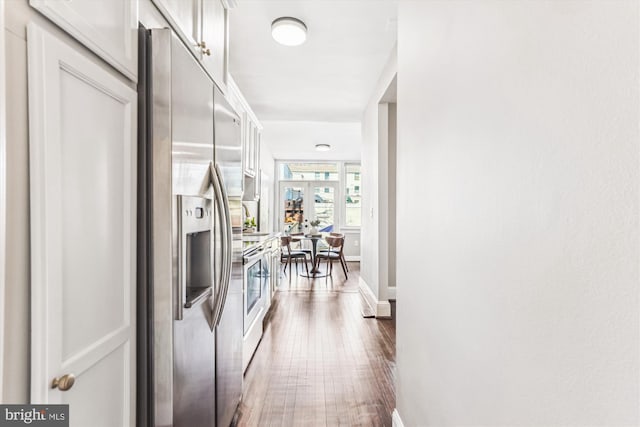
(192, 174)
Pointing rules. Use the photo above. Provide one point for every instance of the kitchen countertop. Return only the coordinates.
(251, 241)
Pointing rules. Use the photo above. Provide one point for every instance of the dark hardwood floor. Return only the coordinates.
(320, 363)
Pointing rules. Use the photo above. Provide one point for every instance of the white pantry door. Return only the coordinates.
(82, 125)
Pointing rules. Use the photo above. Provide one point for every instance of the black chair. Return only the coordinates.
(296, 238)
(333, 253)
(287, 254)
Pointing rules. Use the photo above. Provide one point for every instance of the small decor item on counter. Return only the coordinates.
(250, 225)
(314, 227)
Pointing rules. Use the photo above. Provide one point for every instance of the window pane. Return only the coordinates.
(293, 209)
(324, 208)
(352, 196)
(309, 171)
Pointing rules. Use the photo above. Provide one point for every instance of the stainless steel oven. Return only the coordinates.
(254, 294)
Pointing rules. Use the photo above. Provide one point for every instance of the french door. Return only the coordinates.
(308, 200)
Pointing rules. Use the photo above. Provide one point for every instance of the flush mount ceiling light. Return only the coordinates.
(323, 147)
(289, 31)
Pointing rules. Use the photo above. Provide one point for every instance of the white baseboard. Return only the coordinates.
(391, 292)
(396, 421)
(352, 258)
(382, 309)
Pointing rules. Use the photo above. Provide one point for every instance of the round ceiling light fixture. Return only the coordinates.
(323, 147)
(289, 31)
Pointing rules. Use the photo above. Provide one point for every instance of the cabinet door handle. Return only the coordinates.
(64, 383)
(203, 46)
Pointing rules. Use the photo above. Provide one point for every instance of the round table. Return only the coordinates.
(314, 247)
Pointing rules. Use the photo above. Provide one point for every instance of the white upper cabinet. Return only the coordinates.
(184, 17)
(251, 131)
(108, 28)
(202, 26)
(214, 36)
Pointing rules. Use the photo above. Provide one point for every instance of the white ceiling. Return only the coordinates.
(328, 79)
(296, 140)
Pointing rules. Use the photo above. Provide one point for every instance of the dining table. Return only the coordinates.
(314, 238)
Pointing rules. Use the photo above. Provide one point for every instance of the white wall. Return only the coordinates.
(370, 254)
(518, 300)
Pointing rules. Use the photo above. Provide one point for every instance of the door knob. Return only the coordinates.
(64, 383)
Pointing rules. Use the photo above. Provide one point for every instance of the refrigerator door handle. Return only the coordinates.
(220, 209)
(229, 243)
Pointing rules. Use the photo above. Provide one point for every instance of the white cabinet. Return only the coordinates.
(108, 28)
(184, 17)
(83, 145)
(251, 146)
(214, 35)
(251, 140)
(202, 26)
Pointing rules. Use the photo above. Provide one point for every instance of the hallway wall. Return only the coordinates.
(518, 299)
(371, 163)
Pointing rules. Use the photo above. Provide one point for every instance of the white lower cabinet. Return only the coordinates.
(82, 131)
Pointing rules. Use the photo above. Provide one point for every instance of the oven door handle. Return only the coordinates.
(220, 296)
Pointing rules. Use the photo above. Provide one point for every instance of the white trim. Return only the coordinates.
(367, 293)
(352, 258)
(391, 292)
(396, 421)
(382, 309)
(3, 195)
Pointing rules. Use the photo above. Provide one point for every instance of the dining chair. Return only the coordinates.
(343, 261)
(298, 238)
(333, 253)
(287, 254)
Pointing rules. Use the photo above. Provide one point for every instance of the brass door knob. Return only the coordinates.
(64, 383)
(207, 52)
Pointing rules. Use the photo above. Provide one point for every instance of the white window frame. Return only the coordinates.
(340, 206)
(343, 176)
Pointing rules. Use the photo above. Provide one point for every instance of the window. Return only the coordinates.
(352, 193)
(293, 171)
(333, 191)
